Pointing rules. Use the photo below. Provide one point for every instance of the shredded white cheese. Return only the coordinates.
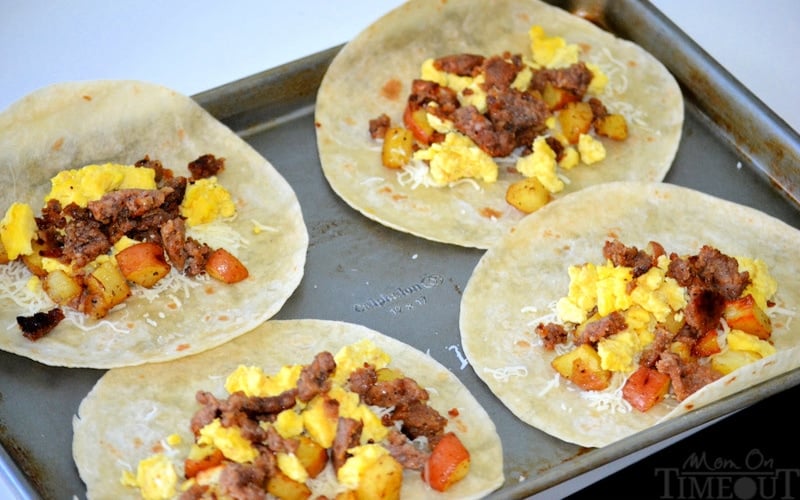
(505, 373)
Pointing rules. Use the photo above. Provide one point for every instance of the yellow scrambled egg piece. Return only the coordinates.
(552, 52)
(289, 423)
(618, 352)
(457, 157)
(590, 149)
(254, 382)
(228, 440)
(354, 356)
(541, 163)
(474, 95)
(654, 298)
(362, 458)
(290, 465)
(762, 285)
(571, 158)
(599, 79)
(350, 406)
(205, 201)
(738, 340)
(741, 349)
(155, 477)
(17, 229)
(91, 182)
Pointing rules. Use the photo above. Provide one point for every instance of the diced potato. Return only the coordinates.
(33, 260)
(682, 349)
(312, 456)
(282, 486)
(346, 495)
(707, 345)
(387, 374)
(612, 126)
(582, 367)
(320, 418)
(449, 463)
(223, 266)
(745, 315)
(556, 98)
(193, 466)
(61, 287)
(398, 146)
(143, 263)
(107, 287)
(416, 121)
(575, 119)
(645, 388)
(3, 254)
(527, 195)
(382, 480)
(729, 360)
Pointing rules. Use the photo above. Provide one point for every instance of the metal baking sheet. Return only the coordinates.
(359, 271)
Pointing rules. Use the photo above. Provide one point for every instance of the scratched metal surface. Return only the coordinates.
(409, 288)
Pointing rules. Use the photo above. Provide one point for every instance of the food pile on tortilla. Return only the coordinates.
(592, 324)
(295, 408)
(481, 112)
(133, 231)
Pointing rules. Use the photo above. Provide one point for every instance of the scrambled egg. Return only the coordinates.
(457, 157)
(206, 201)
(654, 298)
(91, 182)
(254, 382)
(474, 95)
(552, 52)
(590, 149)
(17, 229)
(155, 477)
(228, 440)
(762, 285)
(362, 458)
(541, 163)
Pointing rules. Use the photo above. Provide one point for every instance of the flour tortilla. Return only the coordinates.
(130, 410)
(372, 75)
(74, 124)
(516, 283)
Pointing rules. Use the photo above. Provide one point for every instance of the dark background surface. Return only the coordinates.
(751, 454)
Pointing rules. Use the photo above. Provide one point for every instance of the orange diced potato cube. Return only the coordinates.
(645, 388)
(311, 455)
(449, 463)
(107, 287)
(612, 126)
(143, 263)
(397, 147)
(706, 345)
(745, 315)
(223, 266)
(61, 287)
(582, 367)
(33, 260)
(285, 488)
(416, 121)
(527, 195)
(575, 119)
(381, 480)
(556, 98)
